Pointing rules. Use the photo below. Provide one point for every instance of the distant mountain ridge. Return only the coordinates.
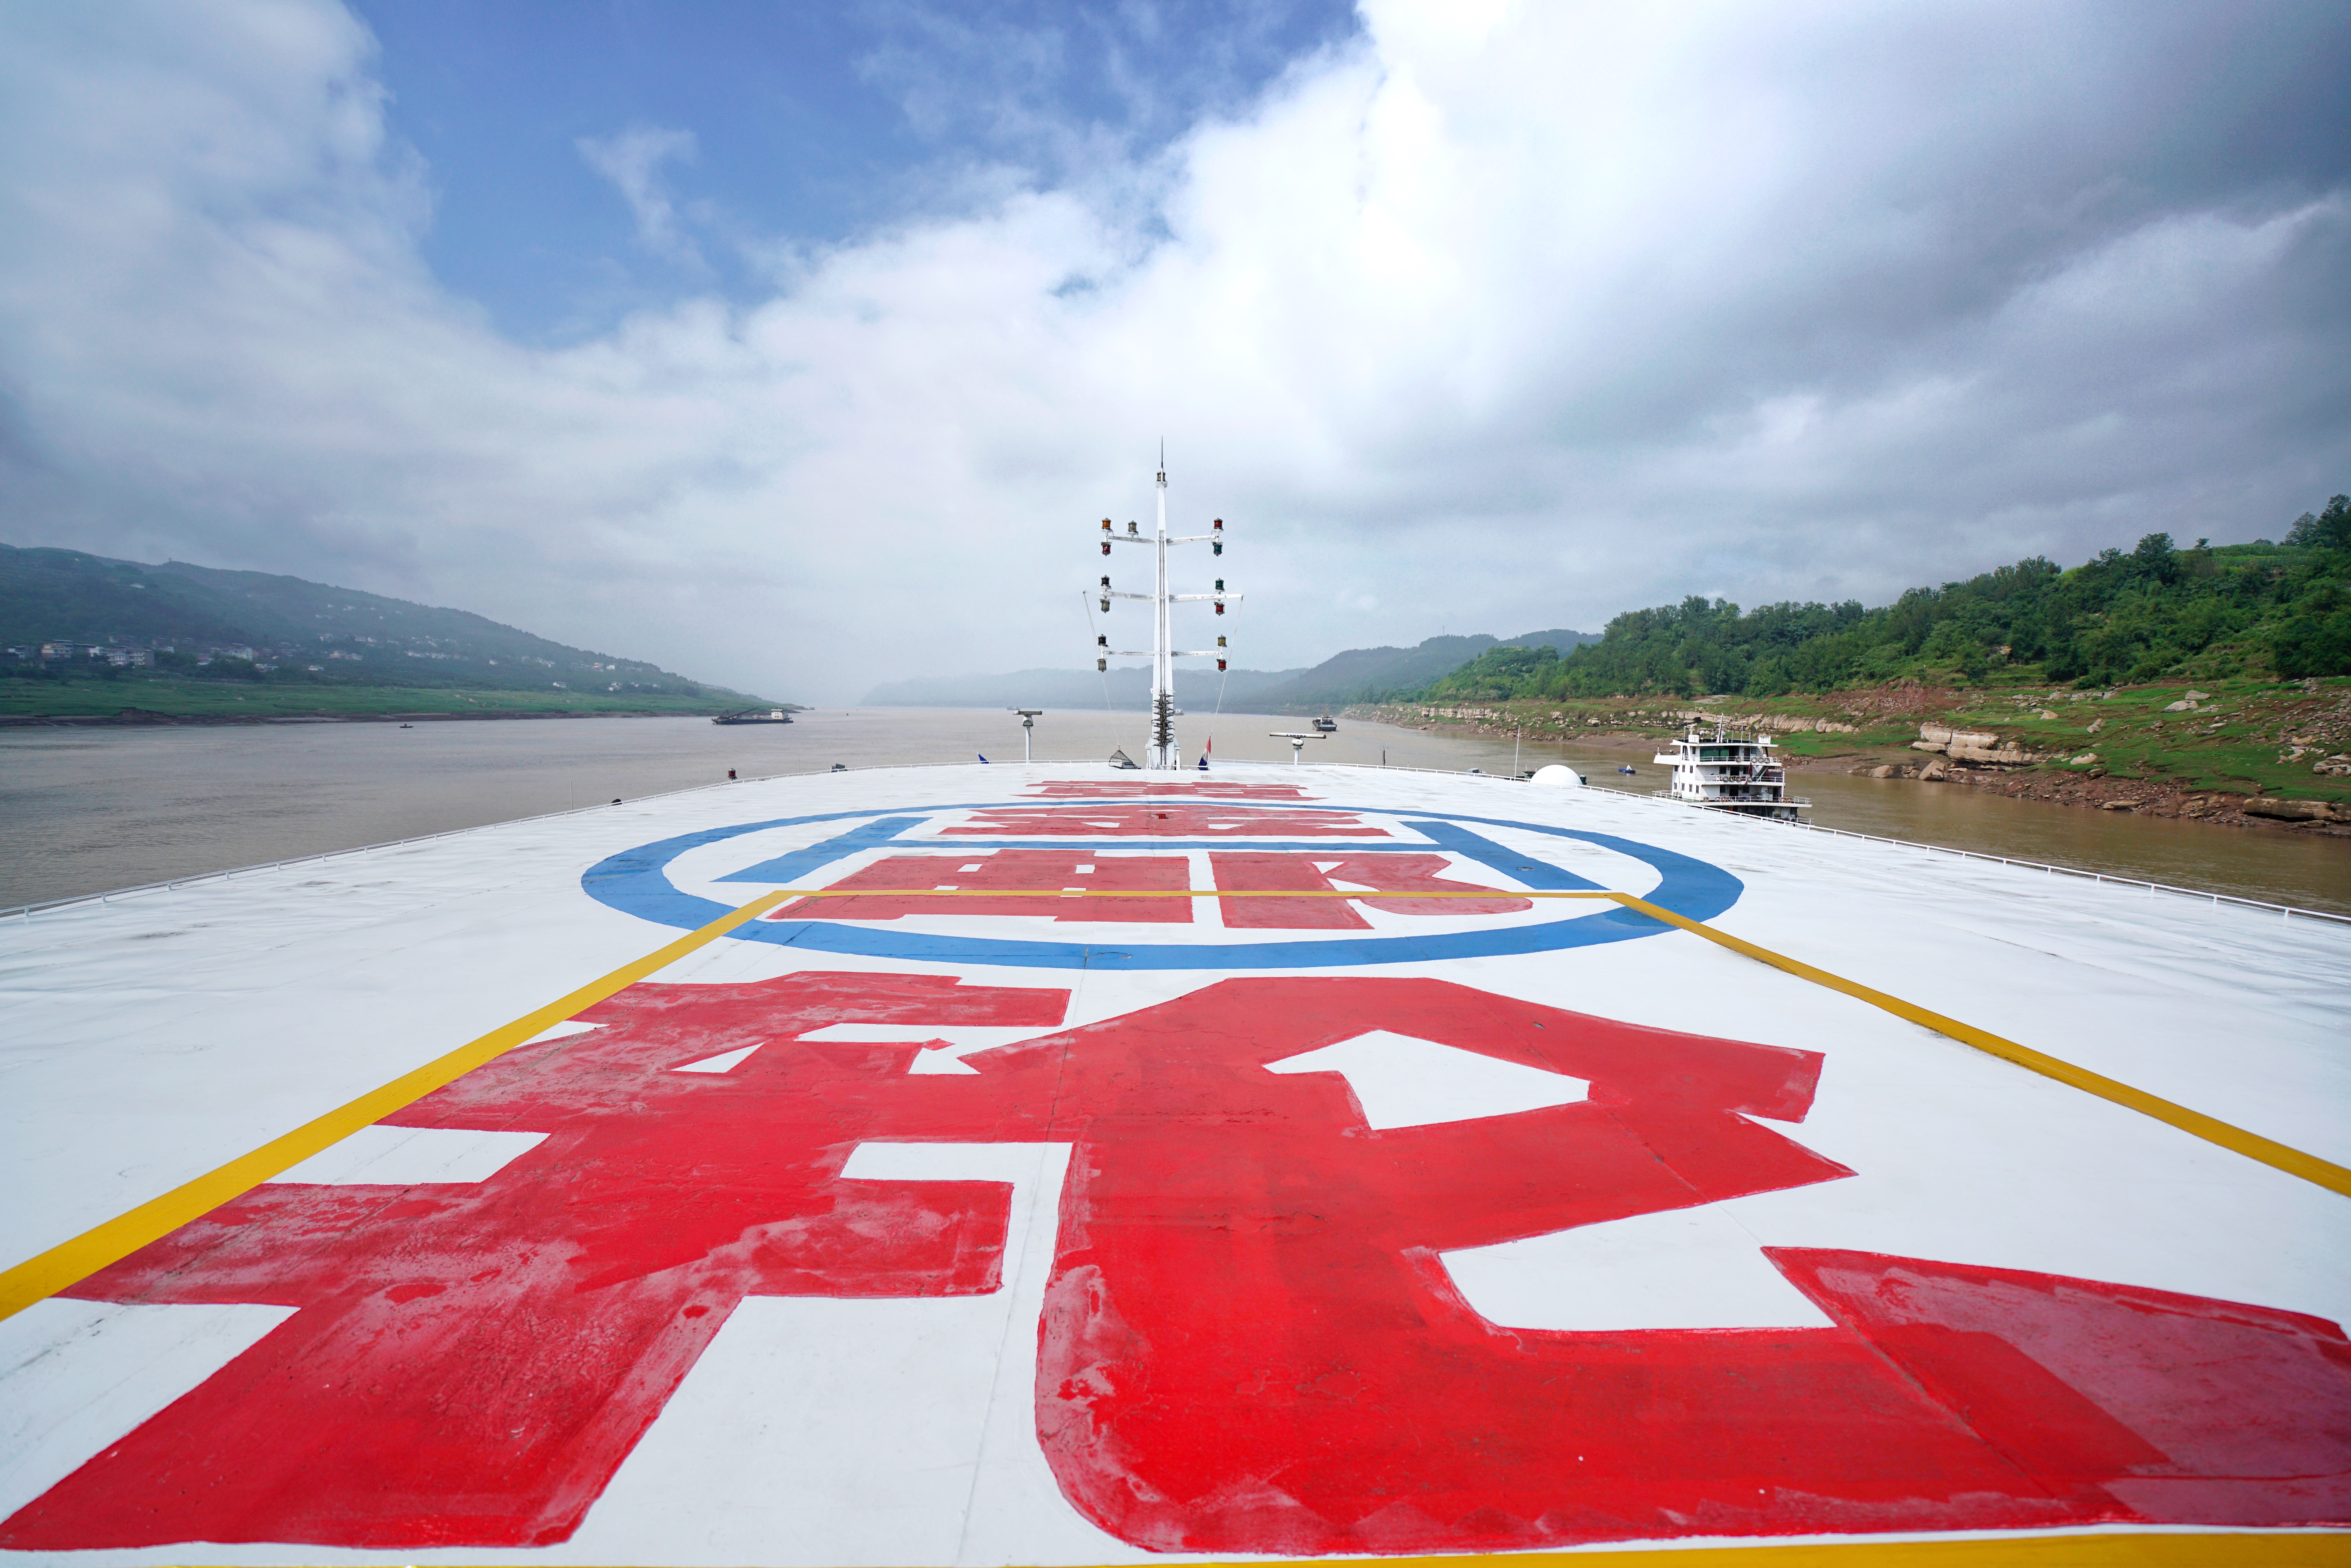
(49, 595)
(1357, 675)
(1378, 674)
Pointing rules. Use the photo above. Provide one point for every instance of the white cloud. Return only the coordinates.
(632, 161)
(1504, 323)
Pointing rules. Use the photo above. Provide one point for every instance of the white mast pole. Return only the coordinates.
(1164, 753)
(1162, 750)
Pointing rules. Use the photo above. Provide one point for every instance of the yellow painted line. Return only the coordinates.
(68, 1263)
(2253, 1145)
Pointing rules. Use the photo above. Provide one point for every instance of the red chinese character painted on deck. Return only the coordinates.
(1240, 870)
(1250, 1342)
(1073, 873)
(1111, 789)
(470, 1362)
(1172, 818)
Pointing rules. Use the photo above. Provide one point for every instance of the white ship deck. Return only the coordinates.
(1282, 1162)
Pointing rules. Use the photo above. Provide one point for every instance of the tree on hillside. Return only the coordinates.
(2122, 616)
(2330, 530)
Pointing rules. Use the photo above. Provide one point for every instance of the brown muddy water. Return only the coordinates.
(88, 809)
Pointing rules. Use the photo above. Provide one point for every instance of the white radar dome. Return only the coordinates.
(1559, 776)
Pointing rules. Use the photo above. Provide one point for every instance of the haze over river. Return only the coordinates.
(88, 809)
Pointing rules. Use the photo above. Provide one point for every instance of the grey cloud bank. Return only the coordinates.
(1494, 316)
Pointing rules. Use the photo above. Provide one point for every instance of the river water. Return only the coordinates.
(88, 809)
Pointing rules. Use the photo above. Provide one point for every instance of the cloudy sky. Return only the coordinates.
(801, 346)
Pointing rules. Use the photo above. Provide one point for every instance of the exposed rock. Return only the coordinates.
(1936, 772)
(1964, 743)
(2084, 759)
(2182, 706)
(2293, 810)
(1883, 771)
(1784, 723)
(2008, 755)
(2119, 806)
(2199, 696)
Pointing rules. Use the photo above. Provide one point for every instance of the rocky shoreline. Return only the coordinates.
(1978, 760)
(2146, 797)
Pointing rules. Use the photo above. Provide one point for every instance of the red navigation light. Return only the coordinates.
(1221, 664)
(1105, 546)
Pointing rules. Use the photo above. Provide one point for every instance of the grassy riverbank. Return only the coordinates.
(2244, 738)
(134, 696)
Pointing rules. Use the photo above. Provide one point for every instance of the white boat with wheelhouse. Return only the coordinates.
(1727, 774)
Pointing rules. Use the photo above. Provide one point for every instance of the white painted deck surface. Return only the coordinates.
(147, 1041)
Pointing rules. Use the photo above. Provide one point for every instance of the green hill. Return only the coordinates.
(2159, 610)
(198, 638)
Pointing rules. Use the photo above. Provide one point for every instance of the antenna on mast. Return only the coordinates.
(1162, 751)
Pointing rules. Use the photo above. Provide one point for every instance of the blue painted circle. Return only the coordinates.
(636, 882)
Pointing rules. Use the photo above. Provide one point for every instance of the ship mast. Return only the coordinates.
(1162, 654)
(1162, 750)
